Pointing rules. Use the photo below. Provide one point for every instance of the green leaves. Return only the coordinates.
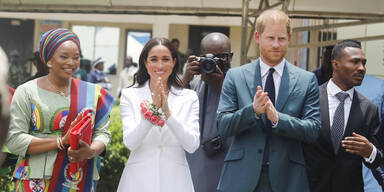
(112, 165)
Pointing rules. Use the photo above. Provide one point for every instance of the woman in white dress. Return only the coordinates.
(157, 160)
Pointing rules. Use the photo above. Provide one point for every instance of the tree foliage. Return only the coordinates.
(112, 165)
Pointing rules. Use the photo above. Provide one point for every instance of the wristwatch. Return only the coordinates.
(257, 116)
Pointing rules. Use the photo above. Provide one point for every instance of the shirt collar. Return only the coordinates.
(264, 68)
(333, 89)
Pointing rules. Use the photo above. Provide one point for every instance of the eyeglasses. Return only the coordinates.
(221, 55)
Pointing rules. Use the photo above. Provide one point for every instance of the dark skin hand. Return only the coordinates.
(214, 80)
(85, 151)
(40, 145)
(357, 145)
(192, 69)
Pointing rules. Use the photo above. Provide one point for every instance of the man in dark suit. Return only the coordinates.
(205, 164)
(349, 126)
(270, 125)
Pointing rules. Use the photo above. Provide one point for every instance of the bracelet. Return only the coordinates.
(59, 144)
(257, 116)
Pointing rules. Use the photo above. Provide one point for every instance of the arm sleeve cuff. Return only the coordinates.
(372, 156)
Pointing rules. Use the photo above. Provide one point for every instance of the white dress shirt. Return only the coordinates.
(333, 102)
(264, 70)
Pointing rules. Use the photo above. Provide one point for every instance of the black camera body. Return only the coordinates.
(208, 63)
(214, 146)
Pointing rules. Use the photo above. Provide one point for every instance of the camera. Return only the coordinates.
(214, 146)
(208, 63)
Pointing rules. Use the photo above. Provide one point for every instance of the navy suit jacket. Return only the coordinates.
(299, 121)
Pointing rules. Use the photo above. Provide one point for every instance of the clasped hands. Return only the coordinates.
(358, 145)
(160, 97)
(262, 104)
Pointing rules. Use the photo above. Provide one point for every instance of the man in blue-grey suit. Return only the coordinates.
(270, 107)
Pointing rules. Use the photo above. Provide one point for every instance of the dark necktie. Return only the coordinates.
(337, 131)
(270, 88)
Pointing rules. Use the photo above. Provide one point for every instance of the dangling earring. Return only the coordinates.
(49, 64)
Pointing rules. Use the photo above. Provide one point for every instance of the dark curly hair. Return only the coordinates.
(141, 76)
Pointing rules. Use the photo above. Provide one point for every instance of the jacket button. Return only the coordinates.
(260, 150)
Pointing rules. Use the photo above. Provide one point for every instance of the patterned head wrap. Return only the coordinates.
(52, 39)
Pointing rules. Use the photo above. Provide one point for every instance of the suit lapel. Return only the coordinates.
(355, 115)
(288, 82)
(325, 121)
(252, 76)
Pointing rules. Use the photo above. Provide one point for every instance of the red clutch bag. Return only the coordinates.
(81, 131)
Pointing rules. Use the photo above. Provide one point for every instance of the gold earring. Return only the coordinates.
(49, 64)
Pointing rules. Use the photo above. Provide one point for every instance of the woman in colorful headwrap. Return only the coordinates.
(42, 113)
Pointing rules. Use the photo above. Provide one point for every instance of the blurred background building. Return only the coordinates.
(114, 29)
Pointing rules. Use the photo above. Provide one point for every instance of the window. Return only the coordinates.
(135, 43)
(97, 41)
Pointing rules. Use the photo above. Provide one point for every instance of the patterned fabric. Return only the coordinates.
(37, 122)
(338, 122)
(59, 119)
(52, 39)
(89, 95)
(32, 185)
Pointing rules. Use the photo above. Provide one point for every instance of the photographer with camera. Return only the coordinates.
(205, 75)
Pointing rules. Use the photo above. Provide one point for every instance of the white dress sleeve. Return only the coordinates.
(135, 126)
(185, 126)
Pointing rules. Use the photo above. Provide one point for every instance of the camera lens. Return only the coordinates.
(208, 65)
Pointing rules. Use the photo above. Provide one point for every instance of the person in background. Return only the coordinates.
(16, 72)
(98, 76)
(373, 89)
(126, 75)
(180, 56)
(43, 112)
(206, 164)
(349, 127)
(160, 122)
(82, 73)
(41, 68)
(324, 72)
(112, 69)
(271, 107)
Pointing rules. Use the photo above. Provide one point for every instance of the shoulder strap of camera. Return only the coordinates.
(204, 104)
